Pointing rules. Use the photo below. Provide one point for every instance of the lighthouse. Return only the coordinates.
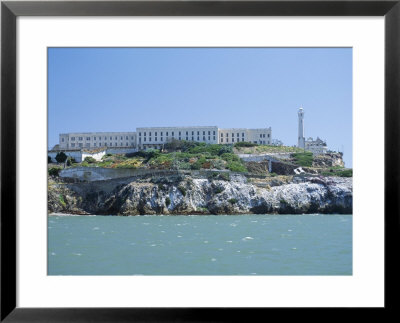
(301, 139)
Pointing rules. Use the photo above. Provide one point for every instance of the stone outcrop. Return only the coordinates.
(190, 195)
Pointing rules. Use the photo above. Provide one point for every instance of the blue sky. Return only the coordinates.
(119, 89)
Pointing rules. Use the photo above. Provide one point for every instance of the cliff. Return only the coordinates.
(188, 194)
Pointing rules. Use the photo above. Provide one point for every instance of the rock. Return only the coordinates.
(190, 195)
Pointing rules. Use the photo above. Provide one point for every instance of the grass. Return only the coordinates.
(304, 159)
(339, 173)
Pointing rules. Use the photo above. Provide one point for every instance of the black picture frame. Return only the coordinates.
(10, 10)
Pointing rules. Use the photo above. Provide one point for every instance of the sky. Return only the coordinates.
(120, 89)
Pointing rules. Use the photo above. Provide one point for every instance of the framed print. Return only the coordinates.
(199, 158)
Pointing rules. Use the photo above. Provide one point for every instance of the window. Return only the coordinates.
(222, 134)
(198, 138)
(131, 137)
(233, 139)
(268, 135)
(209, 138)
(126, 145)
(88, 145)
(192, 138)
(226, 135)
(204, 133)
(140, 134)
(263, 135)
(233, 134)
(209, 133)
(172, 133)
(155, 139)
(155, 134)
(80, 138)
(198, 133)
(242, 134)
(140, 139)
(95, 144)
(126, 138)
(72, 138)
(105, 144)
(187, 133)
(144, 138)
(161, 134)
(213, 137)
(204, 137)
(62, 139)
(187, 138)
(167, 134)
(192, 133)
(214, 133)
(242, 139)
(161, 137)
(179, 138)
(121, 144)
(94, 138)
(111, 144)
(116, 138)
(145, 134)
(99, 144)
(110, 138)
(222, 139)
(179, 133)
(260, 135)
(80, 145)
(237, 135)
(72, 145)
(149, 133)
(149, 138)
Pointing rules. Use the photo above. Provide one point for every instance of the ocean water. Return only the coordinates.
(313, 244)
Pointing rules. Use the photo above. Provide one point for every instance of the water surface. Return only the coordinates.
(313, 244)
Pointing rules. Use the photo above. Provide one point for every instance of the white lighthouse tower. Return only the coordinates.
(301, 139)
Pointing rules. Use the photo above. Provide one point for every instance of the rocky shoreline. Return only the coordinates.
(187, 195)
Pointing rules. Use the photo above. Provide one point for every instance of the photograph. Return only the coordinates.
(213, 161)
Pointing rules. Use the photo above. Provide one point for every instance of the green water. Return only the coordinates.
(200, 245)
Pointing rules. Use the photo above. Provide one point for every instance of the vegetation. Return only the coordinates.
(89, 160)
(61, 157)
(182, 190)
(54, 171)
(232, 201)
(339, 172)
(61, 199)
(48, 159)
(167, 201)
(245, 144)
(304, 159)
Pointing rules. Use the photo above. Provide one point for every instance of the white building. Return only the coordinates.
(81, 140)
(156, 137)
(317, 146)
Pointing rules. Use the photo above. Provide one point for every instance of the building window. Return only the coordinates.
(242, 134)
(233, 134)
(179, 133)
(198, 138)
(111, 144)
(94, 138)
(172, 133)
(209, 133)
(192, 133)
(80, 145)
(144, 138)
(161, 137)
(268, 135)
(187, 138)
(95, 144)
(233, 139)
(167, 134)
(145, 134)
(214, 133)
(140, 139)
(149, 137)
(187, 133)
(222, 139)
(226, 135)
(198, 133)
(87, 145)
(155, 139)
(62, 139)
(242, 139)
(105, 144)
(213, 137)
(121, 144)
(204, 138)
(149, 133)
(209, 138)
(80, 138)
(140, 134)
(260, 135)
(99, 144)
(179, 138)
(131, 137)
(161, 134)
(204, 133)
(237, 135)
(126, 145)
(72, 145)
(72, 138)
(110, 138)
(155, 134)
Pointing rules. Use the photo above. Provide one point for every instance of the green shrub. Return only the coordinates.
(245, 144)
(232, 201)
(224, 176)
(89, 160)
(235, 166)
(48, 159)
(167, 201)
(218, 190)
(304, 159)
(182, 190)
(61, 157)
(61, 199)
(54, 171)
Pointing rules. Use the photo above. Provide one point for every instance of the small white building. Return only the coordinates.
(317, 146)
